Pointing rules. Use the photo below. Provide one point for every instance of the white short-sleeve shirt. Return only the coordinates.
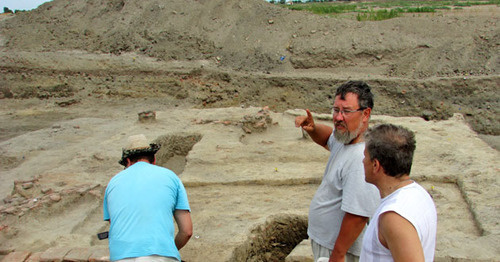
(343, 189)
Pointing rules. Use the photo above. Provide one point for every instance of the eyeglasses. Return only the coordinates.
(345, 113)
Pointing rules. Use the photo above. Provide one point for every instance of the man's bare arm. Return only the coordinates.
(185, 225)
(400, 237)
(352, 226)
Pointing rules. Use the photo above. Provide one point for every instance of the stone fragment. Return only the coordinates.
(54, 254)
(78, 255)
(55, 197)
(99, 255)
(27, 185)
(17, 256)
(67, 103)
(99, 156)
(95, 192)
(301, 253)
(258, 122)
(19, 190)
(10, 210)
(35, 257)
(47, 190)
(147, 116)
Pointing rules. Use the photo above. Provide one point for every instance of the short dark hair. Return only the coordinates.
(362, 89)
(393, 146)
(150, 157)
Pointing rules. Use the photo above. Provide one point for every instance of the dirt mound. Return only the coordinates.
(231, 31)
(255, 53)
(256, 35)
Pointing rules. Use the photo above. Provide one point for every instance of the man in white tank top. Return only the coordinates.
(404, 226)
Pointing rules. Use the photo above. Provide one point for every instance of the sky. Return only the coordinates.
(21, 4)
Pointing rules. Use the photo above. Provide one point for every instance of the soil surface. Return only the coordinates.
(75, 75)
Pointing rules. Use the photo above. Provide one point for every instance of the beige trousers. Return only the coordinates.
(322, 254)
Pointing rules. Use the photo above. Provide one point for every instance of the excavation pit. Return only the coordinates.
(174, 149)
(273, 240)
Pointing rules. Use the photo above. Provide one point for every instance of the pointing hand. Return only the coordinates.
(306, 122)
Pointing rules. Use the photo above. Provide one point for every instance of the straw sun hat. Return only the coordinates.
(137, 145)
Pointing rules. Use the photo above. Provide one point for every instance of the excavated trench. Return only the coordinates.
(432, 98)
(272, 240)
(174, 149)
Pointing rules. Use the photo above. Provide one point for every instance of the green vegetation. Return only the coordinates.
(325, 8)
(381, 10)
(471, 3)
(378, 15)
(421, 9)
(6, 10)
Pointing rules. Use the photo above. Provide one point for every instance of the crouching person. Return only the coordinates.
(141, 204)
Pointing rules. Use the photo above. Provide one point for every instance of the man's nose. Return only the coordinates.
(339, 116)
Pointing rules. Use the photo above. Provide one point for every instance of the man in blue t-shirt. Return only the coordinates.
(140, 202)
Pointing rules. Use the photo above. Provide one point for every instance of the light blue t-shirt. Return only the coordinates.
(140, 202)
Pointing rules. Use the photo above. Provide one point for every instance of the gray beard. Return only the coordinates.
(347, 137)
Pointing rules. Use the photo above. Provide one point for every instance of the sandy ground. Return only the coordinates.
(76, 74)
(236, 181)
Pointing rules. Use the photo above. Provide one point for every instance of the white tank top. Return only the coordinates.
(414, 204)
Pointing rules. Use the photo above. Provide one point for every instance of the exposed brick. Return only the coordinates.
(54, 254)
(99, 254)
(301, 253)
(35, 257)
(17, 256)
(78, 255)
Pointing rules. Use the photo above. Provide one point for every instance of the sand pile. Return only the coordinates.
(430, 65)
(254, 35)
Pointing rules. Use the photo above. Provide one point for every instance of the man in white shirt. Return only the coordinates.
(343, 202)
(404, 226)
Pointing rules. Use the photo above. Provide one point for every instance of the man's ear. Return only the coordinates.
(366, 114)
(128, 162)
(377, 167)
(154, 161)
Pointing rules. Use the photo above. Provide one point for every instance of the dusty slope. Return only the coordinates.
(430, 65)
(253, 35)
